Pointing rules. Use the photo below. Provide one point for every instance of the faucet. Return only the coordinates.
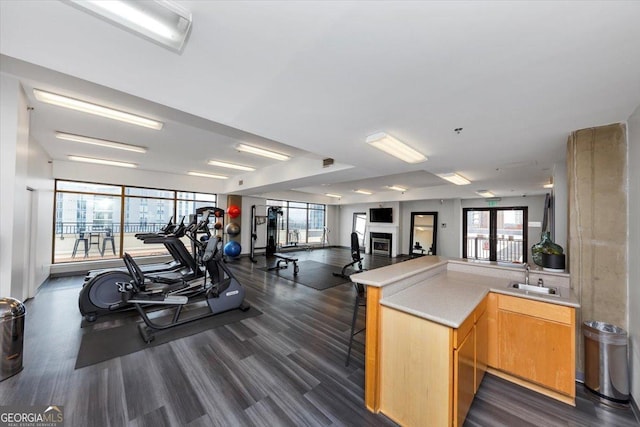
(540, 282)
(526, 273)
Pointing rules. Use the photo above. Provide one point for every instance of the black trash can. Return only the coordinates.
(12, 314)
(606, 368)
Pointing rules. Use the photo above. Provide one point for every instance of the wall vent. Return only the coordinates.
(327, 162)
(240, 182)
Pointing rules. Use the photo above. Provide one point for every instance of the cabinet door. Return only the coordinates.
(537, 350)
(464, 377)
(482, 347)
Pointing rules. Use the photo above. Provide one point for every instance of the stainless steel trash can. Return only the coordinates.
(12, 314)
(605, 362)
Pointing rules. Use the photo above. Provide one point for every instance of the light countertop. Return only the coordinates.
(449, 297)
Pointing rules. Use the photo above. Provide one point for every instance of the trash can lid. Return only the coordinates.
(606, 328)
(10, 308)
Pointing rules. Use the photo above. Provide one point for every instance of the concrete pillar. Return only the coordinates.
(597, 181)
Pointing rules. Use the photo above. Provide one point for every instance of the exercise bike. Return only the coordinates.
(223, 292)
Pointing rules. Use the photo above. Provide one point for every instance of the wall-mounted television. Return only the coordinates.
(381, 215)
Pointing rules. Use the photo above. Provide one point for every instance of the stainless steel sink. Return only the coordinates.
(552, 291)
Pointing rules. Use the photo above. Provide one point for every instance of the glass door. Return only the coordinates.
(495, 234)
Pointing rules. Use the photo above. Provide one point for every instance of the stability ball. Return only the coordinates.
(232, 249)
(217, 225)
(233, 211)
(232, 229)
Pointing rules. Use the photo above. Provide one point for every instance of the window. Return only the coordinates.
(495, 234)
(89, 211)
(302, 222)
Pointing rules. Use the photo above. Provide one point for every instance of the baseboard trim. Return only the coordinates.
(569, 400)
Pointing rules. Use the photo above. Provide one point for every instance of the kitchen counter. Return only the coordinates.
(449, 297)
(449, 292)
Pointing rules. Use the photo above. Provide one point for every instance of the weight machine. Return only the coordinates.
(273, 220)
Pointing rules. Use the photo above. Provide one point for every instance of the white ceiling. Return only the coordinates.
(313, 79)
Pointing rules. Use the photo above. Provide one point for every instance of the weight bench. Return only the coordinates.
(283, 262)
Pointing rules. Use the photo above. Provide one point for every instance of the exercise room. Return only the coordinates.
(319, 213)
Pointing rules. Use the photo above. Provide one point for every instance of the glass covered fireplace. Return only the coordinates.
(381, 244)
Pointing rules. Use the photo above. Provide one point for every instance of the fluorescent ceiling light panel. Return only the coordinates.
(336, 196)
(454, 178)
(262, 152)
(207, 175)
(391, 145)
(485, 193)
(98, 110)
(365, 192)
(102, 161)
(100, 142)
(161, 21)
(230, 165)
(397, 188)
(550, 185)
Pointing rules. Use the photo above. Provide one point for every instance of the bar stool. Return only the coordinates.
(361, 301)
(84, 238)
(108, 236)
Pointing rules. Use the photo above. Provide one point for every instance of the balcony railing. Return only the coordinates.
(507, 249)
(66, 228)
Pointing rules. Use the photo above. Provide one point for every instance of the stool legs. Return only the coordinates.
(357, 305)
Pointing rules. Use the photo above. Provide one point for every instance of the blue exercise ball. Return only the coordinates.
(232, 249)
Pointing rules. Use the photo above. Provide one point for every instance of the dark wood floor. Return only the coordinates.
(284, 367)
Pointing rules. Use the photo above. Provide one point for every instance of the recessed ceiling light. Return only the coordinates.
(396, 148)
(230, 165)
(98, 110)
(365, 192)
(336, 196)
(207, 175)
(396, 188)
(262, 152)
(163, 22)
(454, 178)
(102, 161)
(100, 142)
(485, 193)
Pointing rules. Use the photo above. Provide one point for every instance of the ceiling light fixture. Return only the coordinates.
(163, 22)
(485, 193)
(396, 188)
(230, 165)
(365, 192)
(335, 196)
(396, 148)
(98, 110)
(549, 185)
(454, 178)
(100, 142)
(207, 175)
(102, 161)
(262, 152)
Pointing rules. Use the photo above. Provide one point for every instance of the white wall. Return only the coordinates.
(41, 182)
(448, 238)
(345, 215)
(561, 203)
(14, 140)
(633, 308)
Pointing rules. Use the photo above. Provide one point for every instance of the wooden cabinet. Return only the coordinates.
(482, 347)
(536, 342)
(429, 372)
(464, 377)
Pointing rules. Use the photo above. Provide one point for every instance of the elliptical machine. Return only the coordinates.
(223, 292)
(99, 295)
